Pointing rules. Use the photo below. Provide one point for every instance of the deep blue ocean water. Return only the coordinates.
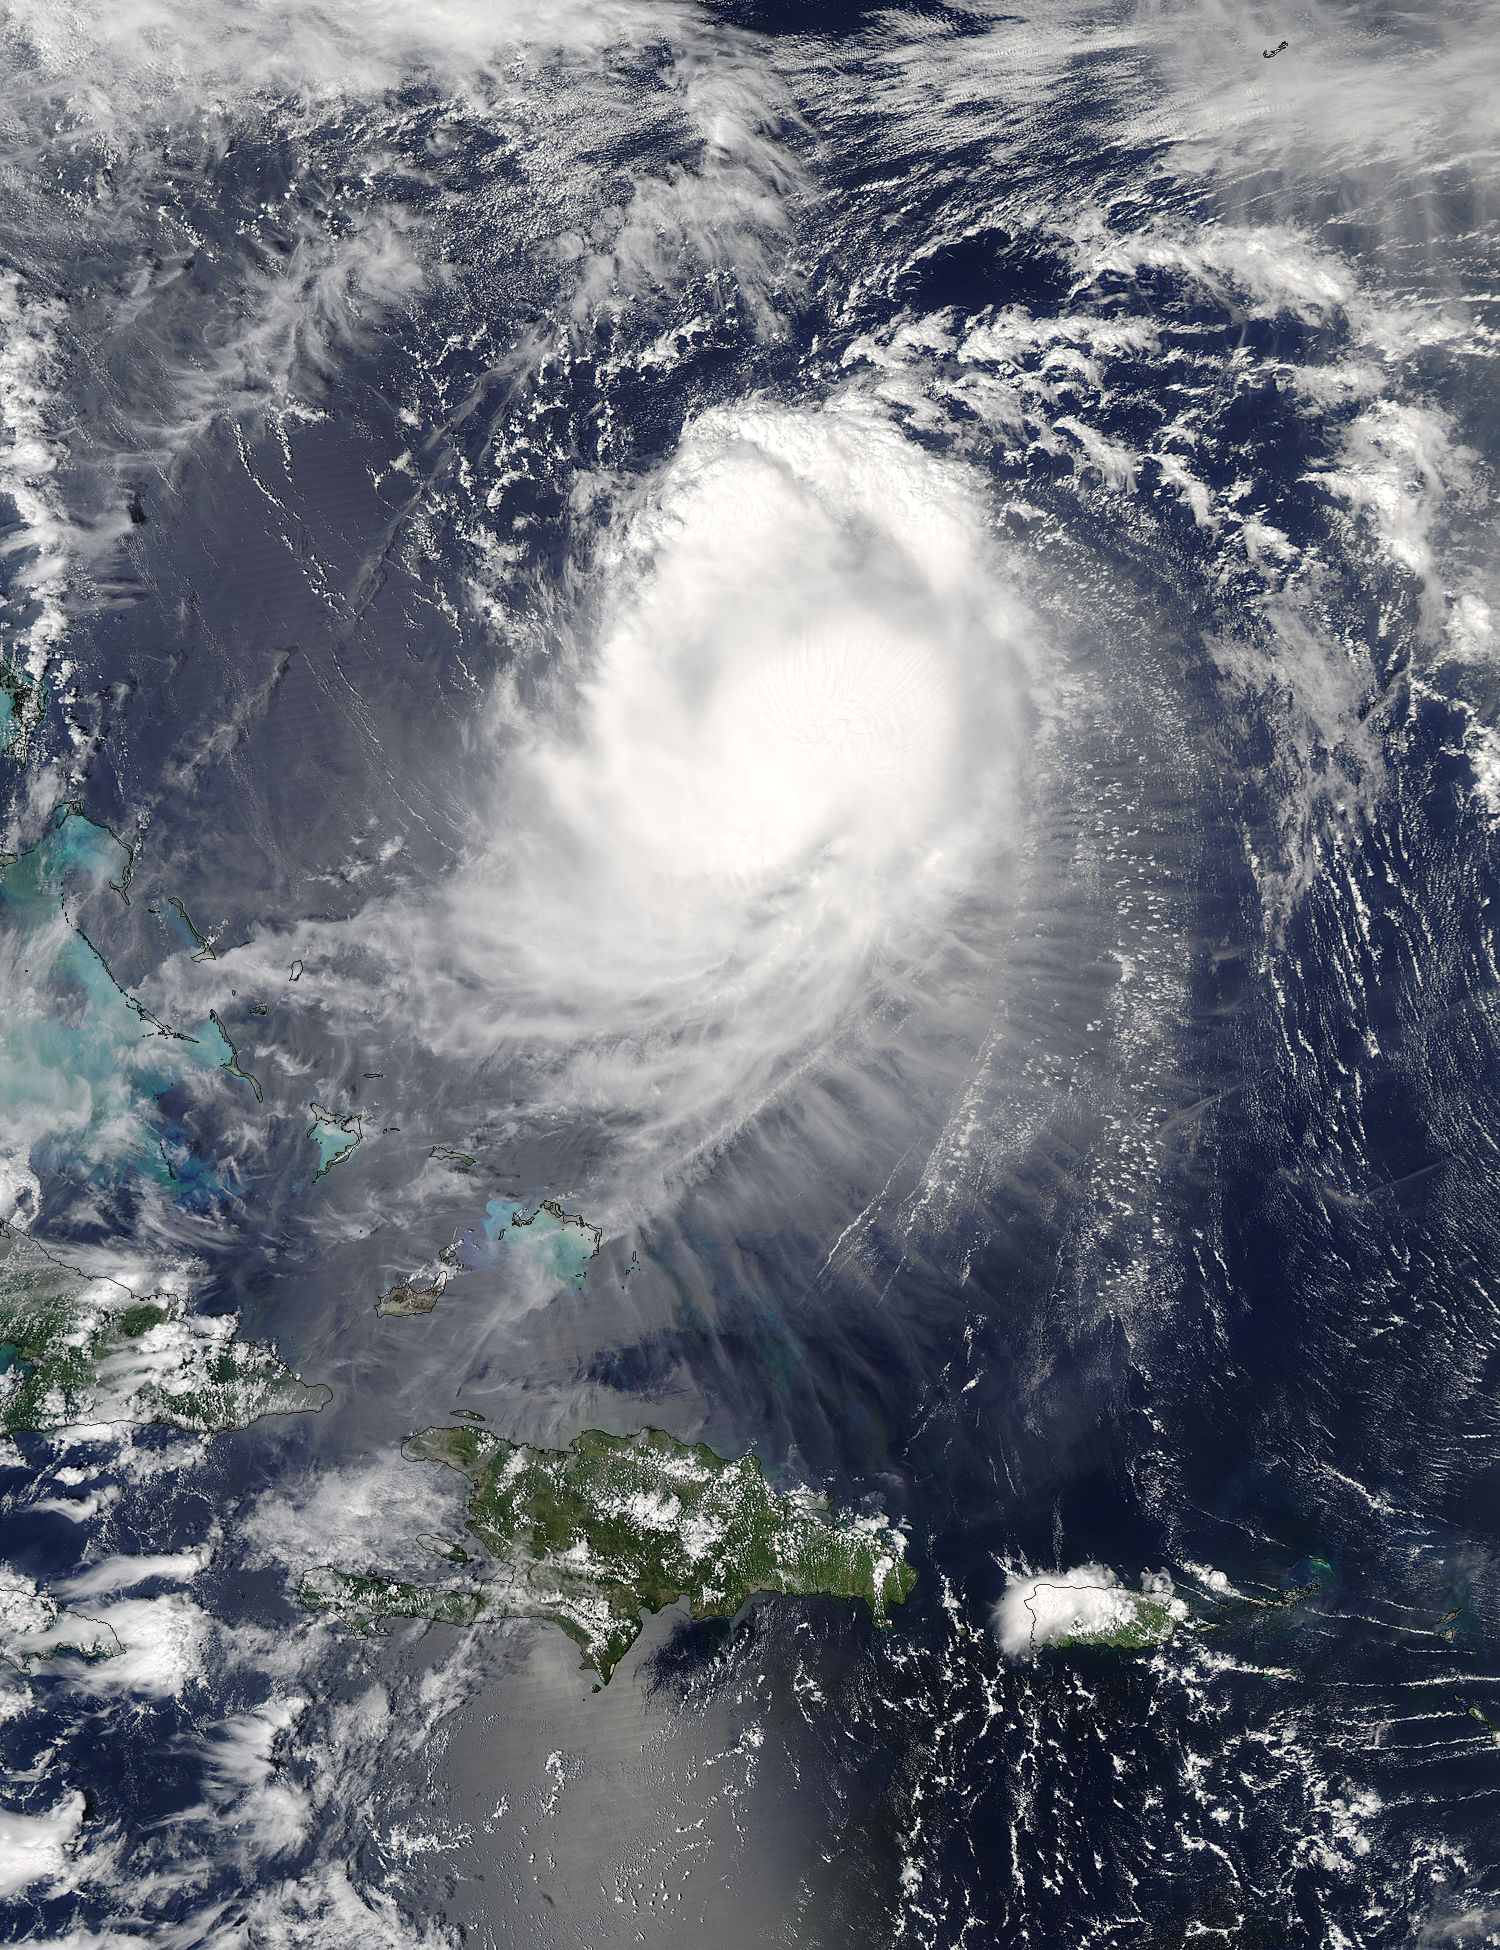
(860, 644)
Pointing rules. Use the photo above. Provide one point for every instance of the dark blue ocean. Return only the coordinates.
(859, 643)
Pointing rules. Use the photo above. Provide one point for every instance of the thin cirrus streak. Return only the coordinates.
(850, 654)
(140, 108)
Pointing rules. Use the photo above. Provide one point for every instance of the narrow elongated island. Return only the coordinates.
(593, 1535)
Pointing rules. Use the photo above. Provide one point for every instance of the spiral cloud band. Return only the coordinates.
(776, 765)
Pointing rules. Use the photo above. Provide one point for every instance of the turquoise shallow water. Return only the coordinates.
(826, 684)
(555, 1244)
(83, 1065)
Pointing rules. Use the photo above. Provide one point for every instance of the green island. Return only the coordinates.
(1142, 1621)
(1087, 1606)
(409, 1298)
(22, 704)
(593, 1535)
(35, 1626)
(77, 1350)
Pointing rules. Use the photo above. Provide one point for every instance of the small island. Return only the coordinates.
(334, 1135)
(175, 916)
(594, 1535)
(410, 1298)
(1087, 1606)
(554, 1243)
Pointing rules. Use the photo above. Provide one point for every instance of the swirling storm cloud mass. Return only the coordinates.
(781, 721)
(708, 832)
